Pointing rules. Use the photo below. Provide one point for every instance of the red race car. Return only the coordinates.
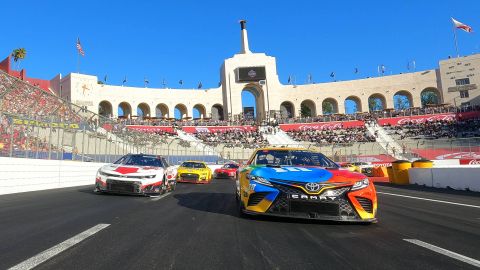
(228, 170)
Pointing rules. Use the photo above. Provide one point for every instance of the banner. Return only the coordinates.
(321, 125)
(28, 122)
(468, 115)
(418, 119)
(151, 129)
(469, 161)
(435, 154)
(213, 129)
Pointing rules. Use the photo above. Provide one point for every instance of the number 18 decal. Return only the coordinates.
(291, 169)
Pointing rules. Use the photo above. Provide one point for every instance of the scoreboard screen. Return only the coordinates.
(251, 74)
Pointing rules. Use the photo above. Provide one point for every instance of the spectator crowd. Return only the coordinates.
(333, 136)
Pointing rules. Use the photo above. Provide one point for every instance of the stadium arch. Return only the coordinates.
(377, 102)
(124, 110)
(161, 111)
(402, 100)
(199, 111)
(180, 111)
(257, 92)
(217, 112)
(430, 96)
(329, 106)
(287, 110)
(308, 108)
(105, 109)
(353, 104)
(143, 110)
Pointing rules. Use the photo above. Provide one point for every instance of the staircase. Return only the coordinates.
(280, 138)
(197, 143)
(390, 146)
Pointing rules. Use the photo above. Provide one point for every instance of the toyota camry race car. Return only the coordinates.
(300, 183)
(228, 170)
(194, 172)
(136, 174)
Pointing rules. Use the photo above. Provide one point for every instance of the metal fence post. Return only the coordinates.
(12, 131)
(83, 143)
(50, 140)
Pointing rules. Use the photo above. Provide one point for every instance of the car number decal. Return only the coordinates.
(291, 169)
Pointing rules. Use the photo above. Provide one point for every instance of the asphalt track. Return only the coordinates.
(197, 227)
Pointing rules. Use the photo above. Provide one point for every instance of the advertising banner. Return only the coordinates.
(321, 125)
(418, 119)
(29, 122)
(213, 129)
(151, 129)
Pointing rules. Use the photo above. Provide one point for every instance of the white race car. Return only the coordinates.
(137, 174)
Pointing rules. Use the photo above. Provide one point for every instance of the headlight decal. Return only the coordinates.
(259, 180)
(361, 184)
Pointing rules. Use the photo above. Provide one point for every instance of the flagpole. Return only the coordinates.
(78, 63)
(455, 39)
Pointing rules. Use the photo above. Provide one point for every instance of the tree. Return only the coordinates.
(429, 97)
(401, 102)
(18, 55)
(305, 111)
(327, 107)
(375, 104)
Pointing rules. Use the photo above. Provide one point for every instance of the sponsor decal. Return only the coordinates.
(126, 170)
(318, 198)
(381, 164)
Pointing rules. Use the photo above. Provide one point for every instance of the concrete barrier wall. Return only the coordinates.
(21, 174)
(461, 178)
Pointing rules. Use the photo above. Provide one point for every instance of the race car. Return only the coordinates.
(229, 170)
(364, 167)
(300, 183)
(137, 174)
(350, 167)
(194, 172)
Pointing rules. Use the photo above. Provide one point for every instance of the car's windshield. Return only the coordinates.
(194, 165)
(140, 160)
(292, 157)
(230, 166)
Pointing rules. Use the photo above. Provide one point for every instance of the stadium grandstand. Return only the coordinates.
(75, 117)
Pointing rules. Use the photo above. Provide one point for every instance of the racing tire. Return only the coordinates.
(163, 188)
(173, 185)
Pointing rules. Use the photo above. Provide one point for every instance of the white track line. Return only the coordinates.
(445, 252)
(431, 200)
(55, 250)
(160, 197)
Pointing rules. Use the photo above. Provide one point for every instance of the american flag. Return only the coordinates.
(79, 48)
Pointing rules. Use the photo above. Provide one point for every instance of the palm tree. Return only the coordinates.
(18, 55)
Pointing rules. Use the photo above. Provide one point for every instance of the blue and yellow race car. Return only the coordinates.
(300, 183)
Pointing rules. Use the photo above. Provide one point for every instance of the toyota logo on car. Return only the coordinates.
(312, 187)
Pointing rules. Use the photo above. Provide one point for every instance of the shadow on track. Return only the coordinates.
(225, 204)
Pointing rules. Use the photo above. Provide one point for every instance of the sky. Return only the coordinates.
(188, 40)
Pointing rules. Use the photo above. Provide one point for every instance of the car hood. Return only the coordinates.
(191, 169)
(306, 174)
(226, 170)
(117, 169)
